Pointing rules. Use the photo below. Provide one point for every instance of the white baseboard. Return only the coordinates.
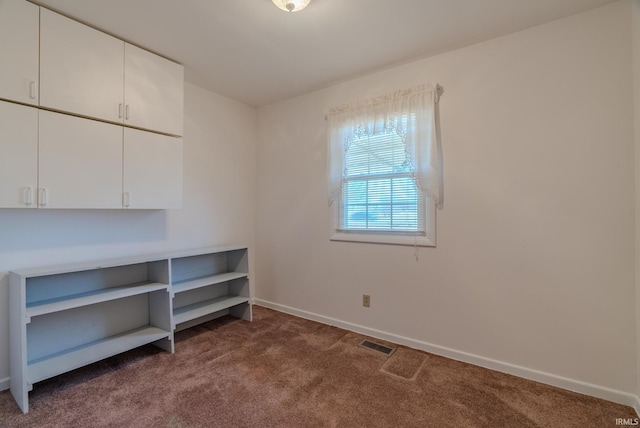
(512, 369)
(4, 384)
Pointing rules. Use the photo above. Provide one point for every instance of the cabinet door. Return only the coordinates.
(153, 91)
(19, 43)
(80, 162)
(18, 155)
(81, 69)
(152, 170)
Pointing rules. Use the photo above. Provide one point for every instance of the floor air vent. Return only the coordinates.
(377, 347)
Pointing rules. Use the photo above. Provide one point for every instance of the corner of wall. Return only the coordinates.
(635, 25)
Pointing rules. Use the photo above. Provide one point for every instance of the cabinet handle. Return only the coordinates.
(126, 114)
(28, 196)
(126, 199)
(32, 90)
(42, 198)
(120, 111)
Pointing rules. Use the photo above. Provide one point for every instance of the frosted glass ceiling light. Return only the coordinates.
(291, 5)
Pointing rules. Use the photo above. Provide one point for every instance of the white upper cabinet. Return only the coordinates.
(19, 43)
(18, 155)
(153, 91)
(54, 155)
(80, 162)
(89, 73)
(152, 170)
(81, 69)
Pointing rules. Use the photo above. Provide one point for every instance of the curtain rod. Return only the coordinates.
(439, 90)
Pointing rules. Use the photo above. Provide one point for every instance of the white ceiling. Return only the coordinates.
(255, 53)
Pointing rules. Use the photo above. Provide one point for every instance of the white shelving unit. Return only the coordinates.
(210, 285)
(65, 317)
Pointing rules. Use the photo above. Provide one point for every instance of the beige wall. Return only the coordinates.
(219, 206)
(534, 268)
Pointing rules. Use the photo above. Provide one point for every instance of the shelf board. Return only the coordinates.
(75, 301)
(207, 280)
(122, 261)
(61, 362)
(206, 307)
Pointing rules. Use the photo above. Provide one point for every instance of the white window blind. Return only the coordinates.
(379, 193)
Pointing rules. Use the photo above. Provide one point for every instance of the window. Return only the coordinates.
(378, 191)
(381, 173)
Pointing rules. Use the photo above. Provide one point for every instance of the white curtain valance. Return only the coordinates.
(413, 114)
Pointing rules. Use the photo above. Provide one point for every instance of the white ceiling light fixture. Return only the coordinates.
(291, 5)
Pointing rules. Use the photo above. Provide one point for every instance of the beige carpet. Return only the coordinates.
(283, 371)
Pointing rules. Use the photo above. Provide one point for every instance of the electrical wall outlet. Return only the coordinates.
(366, 300)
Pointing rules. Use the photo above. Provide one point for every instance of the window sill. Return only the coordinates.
(381, 238)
